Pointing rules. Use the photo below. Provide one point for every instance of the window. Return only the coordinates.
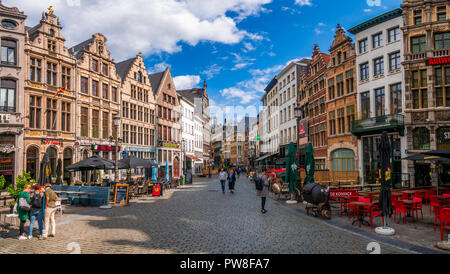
(51, 45)
(364, 71)
(65, 77)
(332, 122)
(331, 88)
(94, 88)
(341, 120)
(139, 77)
(362, 46)
(65, 116)
(350, 116)
(365, 105)
(51, 74)
(377, 40)
(105, 89)
(51, 114)
(442, 40)
(442, 87)
(378, 66)
(421, 138)
(419, 89)
(105, 124)
(95, 120)
(35, 70)
(396, 98)
(105, 69)
(394, 34)
(114, 94)
(94, 65)
(418, 44)
(394, 61)
(35, 112)
(349, 81)
(126, 133)
(84, 85)
(443, 138)
(113, 126)
(379, 102)
(340, 85)
(8, 95)
(84, 122)
(343, 160)
(417, 17)
(441, 13)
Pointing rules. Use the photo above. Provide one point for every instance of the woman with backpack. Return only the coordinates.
(37, 210)
(23, 208)
(262, 188)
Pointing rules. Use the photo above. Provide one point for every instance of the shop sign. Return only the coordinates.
(140, 149)
(48, 142)
(5, 118)
(35, 85)
(447, 135)
(104, 148)
(303, 129)
(35, 133)
(161, 144)
(66, 135)
(438, 61)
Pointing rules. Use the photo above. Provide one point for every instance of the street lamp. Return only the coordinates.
(298, 115)
(116, 119)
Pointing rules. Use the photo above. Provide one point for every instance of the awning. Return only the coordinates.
(263, 157)
(423, 157)
(193, 157)
(440, 153)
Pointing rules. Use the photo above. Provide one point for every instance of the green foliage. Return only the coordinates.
(21, 182)
(2, 182)
(99, 177)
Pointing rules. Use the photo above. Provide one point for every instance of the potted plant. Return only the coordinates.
(21, 182)
(2, 182)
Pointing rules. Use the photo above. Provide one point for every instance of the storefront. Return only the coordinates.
(7, 157)
(443, 142)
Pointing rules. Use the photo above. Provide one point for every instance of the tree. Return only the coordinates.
(21, 182)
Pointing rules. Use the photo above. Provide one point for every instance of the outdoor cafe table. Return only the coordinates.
(89, 194)
(361, 215)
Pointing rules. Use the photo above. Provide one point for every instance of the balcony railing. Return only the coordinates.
(390, 123)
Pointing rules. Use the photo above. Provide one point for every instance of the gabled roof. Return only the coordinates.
(123, 67)
(376, 20)
(155, 80)
(78, 49)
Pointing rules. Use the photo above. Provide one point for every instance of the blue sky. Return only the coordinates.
(238, 46)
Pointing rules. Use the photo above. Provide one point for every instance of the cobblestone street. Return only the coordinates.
(194, 219)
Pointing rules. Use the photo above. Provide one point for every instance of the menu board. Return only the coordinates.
(121, 194)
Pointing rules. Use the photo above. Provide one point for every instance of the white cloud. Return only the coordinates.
(367, 10)
(212, 71)
(153, 26)
(186, 81)
(303, 2)
(244, 97)
(372, 3)
(158, 67)
(249, 46)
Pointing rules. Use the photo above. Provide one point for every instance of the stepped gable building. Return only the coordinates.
(138, 110)
(341, 104)
(201, 102)
(380, 95)
(168, 120)
(12, 73)
(426, 46)
(50, 93)
(98, 100)
(317, 106)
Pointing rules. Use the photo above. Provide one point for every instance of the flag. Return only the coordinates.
(61, 90)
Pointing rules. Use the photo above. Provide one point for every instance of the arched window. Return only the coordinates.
(33, 161)
(53, 157)
(343, 160)
(443, 138)
(421, 138)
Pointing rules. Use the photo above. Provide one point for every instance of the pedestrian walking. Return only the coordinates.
(50, 210)
(23, 208)
(231, 180)
(263, 192)
(223, 178)
(37, 210)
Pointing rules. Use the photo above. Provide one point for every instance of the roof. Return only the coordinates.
(78, 49)
(155, 80)
(271, 84)
(191, 94)
(124, 66)
(376, 20)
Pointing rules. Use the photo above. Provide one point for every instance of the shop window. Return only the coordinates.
(421, 139)
(443, 137)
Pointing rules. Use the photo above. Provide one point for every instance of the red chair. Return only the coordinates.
(427, 196)
(400, 208)
(375, 211)
(434, 202)
(351, 207)
(405, 196)
(418, 194)
(417, 207)
(446, 195)
(365, 209)
(445, 221)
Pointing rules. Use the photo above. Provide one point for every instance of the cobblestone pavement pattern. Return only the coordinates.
(196, 218)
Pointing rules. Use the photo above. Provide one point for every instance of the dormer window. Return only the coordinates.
(8, 24)
(51, 45)
(139, 77)
(94, 65)
(52, 32)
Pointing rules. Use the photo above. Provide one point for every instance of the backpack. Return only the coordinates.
(259, 183)
(36, 201)
(24, 205)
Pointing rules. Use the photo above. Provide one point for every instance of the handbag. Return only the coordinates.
(24, 205)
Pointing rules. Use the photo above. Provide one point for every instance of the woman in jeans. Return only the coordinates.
(223, 178)
(37, 210)
(265, 191)
(23, 215)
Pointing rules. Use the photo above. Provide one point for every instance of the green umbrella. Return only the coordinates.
(291, 167)
(310, 164)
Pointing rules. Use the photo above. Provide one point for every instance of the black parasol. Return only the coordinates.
(92, 163)
(133, 162)
(43, 170)
(59, 172)
(385, 162)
